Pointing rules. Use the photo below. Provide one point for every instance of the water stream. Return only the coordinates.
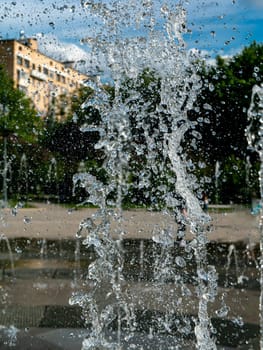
(255, 141)
(23, 178)
(137, 293)
(160, 56)
(6, 240)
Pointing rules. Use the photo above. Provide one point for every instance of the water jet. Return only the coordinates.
(137, 293)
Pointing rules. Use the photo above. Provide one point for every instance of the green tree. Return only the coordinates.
(19, 127)
(148, 166)
(71, 146)
(18, 117)
(222, 107)
(224, 102)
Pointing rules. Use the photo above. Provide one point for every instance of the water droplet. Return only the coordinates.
(18, 250)
(163, 237)
(180, 261)
(238, 321)
(213, 33)
(27, 220)
(14, 211)
(207, 107)
(211, 87)
(72, 8)
(165, 9)
(202, 274)
(223, 311)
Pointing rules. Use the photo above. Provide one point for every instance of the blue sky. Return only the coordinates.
(225, 26)
(215, 27)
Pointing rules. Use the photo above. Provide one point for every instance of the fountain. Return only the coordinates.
(217, 175)
(52, 178)
(6, 174)
(153, 293)
(232, 251)
(23, 178)
(255, 141)
(176, 72)
(5, 239)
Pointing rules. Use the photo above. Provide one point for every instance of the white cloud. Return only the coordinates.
(51, 46)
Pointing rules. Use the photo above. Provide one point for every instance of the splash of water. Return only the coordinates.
(43, 249)
(161, 56)
(6, 174)
(52, 176)
(232, 252)
(23, 177)
(11, 334)
(4, 238)
(254, 134)
(217, 175)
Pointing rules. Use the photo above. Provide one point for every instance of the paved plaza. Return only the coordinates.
(50, 221)
(36, 300)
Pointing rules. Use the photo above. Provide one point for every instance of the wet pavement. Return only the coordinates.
(35, 291)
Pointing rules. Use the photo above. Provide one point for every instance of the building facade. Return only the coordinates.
(47, 82)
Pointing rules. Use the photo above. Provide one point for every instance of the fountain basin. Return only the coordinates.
(38, 290)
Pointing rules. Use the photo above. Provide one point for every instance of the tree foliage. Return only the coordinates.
(222, 109)
(70, 146)
(224, 102)
(18, 117)
(20, 128)
(219, 115)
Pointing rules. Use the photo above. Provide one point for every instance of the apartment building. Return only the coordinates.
(47, 82)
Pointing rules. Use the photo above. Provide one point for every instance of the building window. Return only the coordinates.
(39, 69)
(19, 60)
(27, 63)
(33, 66)
(45, 70)
(23, 88)
(58, 77)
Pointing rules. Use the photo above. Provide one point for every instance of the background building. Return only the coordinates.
(49, 83)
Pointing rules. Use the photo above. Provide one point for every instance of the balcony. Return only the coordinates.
(38, 75)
